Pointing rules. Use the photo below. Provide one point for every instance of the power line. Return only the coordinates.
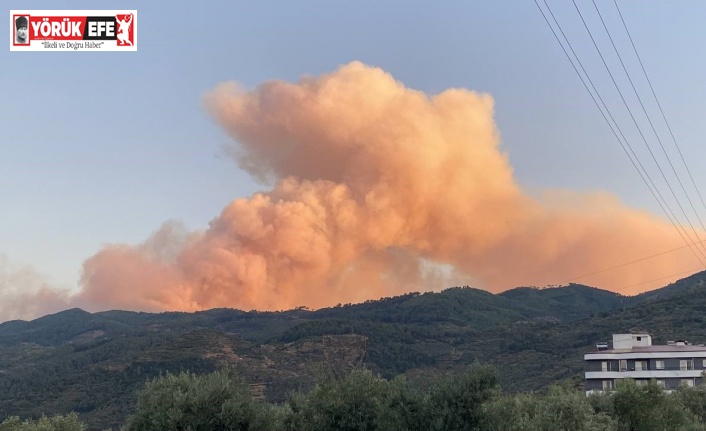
(653, 189)
(693, 271)
(688, 243)
(654, 94)
(637, 125)
(645, 177)
(605, 106)
(642, 259)
(649, 120)
(651, 185)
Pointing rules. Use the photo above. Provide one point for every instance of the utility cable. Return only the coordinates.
(635, 162)
(654, 94)
(649, 120)
(632, 116)
(642, 259)
(693, 271)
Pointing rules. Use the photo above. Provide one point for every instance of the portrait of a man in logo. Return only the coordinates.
(21, 30)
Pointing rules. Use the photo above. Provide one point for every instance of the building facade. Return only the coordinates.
(632, 356)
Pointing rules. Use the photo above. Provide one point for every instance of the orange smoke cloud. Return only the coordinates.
(373, 183)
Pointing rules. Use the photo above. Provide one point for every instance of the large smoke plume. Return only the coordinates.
(371, 186)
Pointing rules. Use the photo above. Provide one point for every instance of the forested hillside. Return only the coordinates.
(94, 363)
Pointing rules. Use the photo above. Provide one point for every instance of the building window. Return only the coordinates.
(659, 365)
(661, 383)
(608, 366)
(639, 338)
(686, 364)
(703, 365)
(623, 365)
(687, 382)
(607, 385)
(641, 382)
(640, 365)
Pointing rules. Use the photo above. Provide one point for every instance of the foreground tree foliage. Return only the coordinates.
(216, 401)
(357, 402)
(69, 422)
(458, 404)
(648, 408)
(694, 400)
(363, 401)
(561, 409)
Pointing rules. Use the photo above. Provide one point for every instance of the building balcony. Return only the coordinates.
(645, 374)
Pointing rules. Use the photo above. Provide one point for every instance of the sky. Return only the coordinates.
(101, 149)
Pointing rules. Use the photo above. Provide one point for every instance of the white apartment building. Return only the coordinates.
(632, 356)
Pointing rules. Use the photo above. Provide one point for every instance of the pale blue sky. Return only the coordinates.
(101, 148)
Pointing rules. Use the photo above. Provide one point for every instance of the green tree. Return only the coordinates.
(354, 403)
(68, 422)
(216, 401)
(649, 408)
(562, 409)
(457, 405)
(694, 399)
(405, 409)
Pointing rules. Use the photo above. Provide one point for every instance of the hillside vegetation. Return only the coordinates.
(93, 363)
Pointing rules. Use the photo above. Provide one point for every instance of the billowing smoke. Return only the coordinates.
(375, 190)
(25, 294)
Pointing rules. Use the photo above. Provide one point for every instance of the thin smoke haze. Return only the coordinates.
(25, 294)
(374, 189)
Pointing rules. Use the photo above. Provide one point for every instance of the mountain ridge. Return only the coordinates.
(94, 363)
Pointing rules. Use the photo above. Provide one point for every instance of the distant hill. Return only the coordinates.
(571, 302)
(473, 308)
(691, 283)
(94, 363)
(532, 356)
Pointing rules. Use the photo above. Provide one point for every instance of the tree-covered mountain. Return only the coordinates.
(93, 363)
